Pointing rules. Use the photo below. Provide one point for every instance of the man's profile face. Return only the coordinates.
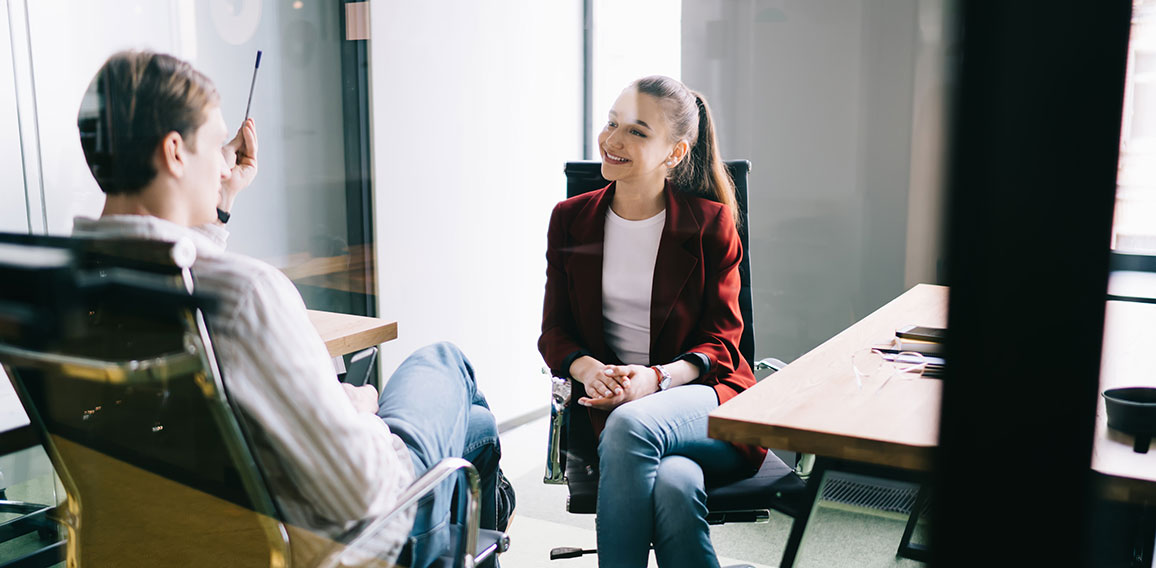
(205, 167)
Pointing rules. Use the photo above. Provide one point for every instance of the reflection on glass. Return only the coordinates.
(308, 212)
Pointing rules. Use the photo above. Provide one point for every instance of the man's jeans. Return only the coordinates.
(653, 456)
(433, 404)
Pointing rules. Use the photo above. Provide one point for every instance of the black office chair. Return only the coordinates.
(109, 352)
(28, 517)
(572, 457)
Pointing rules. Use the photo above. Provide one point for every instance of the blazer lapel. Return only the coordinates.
(673, 267)
(584, 265)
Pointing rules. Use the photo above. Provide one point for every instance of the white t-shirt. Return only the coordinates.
(629, 254)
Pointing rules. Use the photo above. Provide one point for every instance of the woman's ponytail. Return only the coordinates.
(709, 172)
(702, 170)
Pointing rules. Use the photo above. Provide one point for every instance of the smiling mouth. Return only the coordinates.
(612, 159)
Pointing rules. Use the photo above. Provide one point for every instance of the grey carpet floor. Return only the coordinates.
(839, 535)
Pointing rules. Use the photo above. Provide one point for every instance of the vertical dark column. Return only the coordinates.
(1032, 186)
(358, 179)
(588, 149)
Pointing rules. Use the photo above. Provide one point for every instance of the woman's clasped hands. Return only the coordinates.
(608, 386)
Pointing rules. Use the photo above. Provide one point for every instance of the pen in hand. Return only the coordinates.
(252, 84)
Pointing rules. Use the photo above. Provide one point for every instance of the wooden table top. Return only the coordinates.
(345, 333)
(1128, 361)
(815, 406)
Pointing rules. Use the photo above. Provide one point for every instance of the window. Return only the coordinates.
(630, 40)
(1134, 228)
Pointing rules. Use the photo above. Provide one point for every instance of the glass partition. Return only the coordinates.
(307, 212)
(841, 108)
(14, 213)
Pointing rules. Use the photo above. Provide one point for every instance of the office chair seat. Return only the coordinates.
(775, 486)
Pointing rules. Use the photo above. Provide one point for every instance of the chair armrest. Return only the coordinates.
(468, 509)
(774, 365)
(560, 391)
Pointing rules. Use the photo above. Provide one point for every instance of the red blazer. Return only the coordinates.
(694, 299)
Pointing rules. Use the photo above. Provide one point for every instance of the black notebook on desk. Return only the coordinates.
(934, 364)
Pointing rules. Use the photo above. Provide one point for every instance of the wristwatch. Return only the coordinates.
(663, 377)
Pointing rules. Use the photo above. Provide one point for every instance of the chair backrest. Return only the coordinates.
(107, 348)
(585, 176)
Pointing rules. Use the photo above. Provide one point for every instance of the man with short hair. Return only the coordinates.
(154, 138)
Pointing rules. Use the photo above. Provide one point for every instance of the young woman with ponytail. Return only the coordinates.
(641, 307)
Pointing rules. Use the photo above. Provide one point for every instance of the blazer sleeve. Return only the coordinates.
(559, 343)
(721, 327)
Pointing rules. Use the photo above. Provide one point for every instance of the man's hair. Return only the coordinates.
(134, 101)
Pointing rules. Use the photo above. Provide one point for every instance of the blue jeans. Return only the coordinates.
(655, 458)
(433, 404)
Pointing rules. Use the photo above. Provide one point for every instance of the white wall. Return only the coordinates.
(476, 106)
(824, 97)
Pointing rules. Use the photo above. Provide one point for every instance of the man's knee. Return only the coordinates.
(446, 356)
(482, 435)
(443, 351)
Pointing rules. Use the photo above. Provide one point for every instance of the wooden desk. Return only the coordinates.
(1128, 360)
(345, 333)
(814, 405)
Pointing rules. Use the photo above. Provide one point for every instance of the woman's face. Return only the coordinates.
(635, 143)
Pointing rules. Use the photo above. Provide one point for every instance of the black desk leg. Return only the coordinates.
(815, 483)
(918, 552)
(1145, 538)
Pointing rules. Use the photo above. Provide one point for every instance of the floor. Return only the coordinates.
(840, 536)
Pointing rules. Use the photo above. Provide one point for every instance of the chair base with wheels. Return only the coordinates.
(32, 517)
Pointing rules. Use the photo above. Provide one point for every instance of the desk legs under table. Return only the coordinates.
(815, 483)
(818, 480)
(916, 551)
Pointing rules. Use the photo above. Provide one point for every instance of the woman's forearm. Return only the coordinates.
(681, 372)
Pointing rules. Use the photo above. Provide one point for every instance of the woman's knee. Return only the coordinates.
(628, 428)
(680, 495)
(680, 480)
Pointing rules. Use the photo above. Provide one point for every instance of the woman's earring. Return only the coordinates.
(670, 163)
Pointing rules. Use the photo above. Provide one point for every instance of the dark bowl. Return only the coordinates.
(1132, 410)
